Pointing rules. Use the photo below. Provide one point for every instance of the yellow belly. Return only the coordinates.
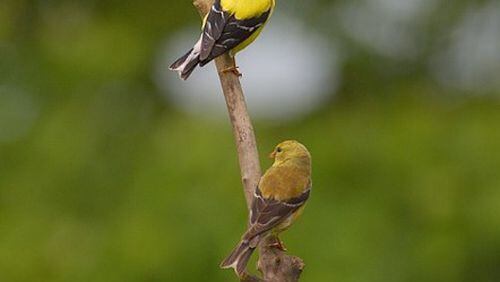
(246, 9)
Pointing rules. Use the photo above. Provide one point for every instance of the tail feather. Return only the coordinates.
(238, 259)
(180, 61)
(242, 262)
(186, 64)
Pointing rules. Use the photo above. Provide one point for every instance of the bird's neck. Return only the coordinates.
(302, 163)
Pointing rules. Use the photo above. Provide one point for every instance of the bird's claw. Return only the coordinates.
(234, 70)
(278, 245)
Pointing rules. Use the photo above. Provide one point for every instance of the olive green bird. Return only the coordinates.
(278, 201)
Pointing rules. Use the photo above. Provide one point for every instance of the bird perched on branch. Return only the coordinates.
(278, 201)
(230, 26)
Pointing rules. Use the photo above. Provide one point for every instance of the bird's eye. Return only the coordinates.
(278, 150)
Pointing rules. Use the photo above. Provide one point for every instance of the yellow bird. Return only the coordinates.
(230, 26)
(278, 200)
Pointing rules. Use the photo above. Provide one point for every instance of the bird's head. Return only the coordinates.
(290, 150)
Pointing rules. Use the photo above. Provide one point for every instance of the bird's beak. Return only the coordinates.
(272, 155)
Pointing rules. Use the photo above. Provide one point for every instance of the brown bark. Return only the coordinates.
(274, 264)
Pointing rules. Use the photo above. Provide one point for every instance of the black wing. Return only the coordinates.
(269, 213)
(214, 26)
(223, 32)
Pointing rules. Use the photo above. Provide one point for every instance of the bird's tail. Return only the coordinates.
(238, 259)
(186, 64)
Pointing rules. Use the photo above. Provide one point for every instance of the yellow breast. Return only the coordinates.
(247, 9)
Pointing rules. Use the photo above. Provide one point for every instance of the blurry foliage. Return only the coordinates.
(101, 180)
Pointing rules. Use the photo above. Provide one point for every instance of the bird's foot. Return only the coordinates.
(234, 70)
(278, 244)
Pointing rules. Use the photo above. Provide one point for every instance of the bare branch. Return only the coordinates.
(275, 265)
(240, 120)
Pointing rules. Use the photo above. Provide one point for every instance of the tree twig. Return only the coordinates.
(240, 120)
(274, 264)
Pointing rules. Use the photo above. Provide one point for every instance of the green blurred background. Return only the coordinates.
(103, 179)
